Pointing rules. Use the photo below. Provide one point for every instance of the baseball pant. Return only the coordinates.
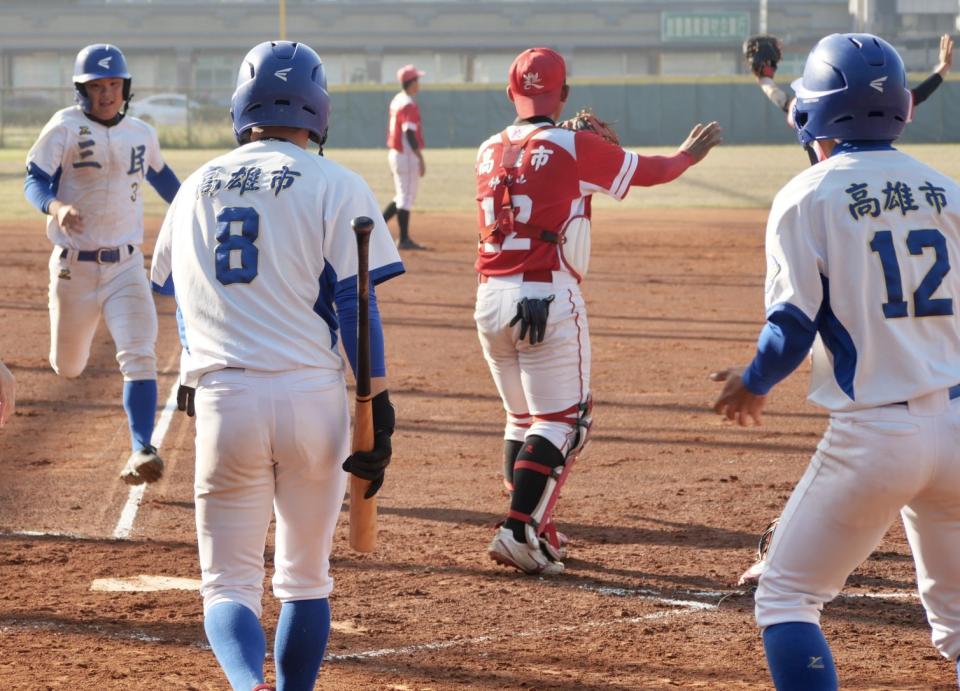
(405, 167)
(80, 291)
(268, 443)
(871, 465)
(550, 377)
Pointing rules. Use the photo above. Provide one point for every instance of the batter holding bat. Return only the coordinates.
(263, 259)
(535, 181)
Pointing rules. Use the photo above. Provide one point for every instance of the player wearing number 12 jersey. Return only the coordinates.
(861, 253)
(534, 186)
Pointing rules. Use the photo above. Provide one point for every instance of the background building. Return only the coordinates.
(185, 53)
(196, 44)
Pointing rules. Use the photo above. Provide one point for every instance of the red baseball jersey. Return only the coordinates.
(404, 116)
(555, 172)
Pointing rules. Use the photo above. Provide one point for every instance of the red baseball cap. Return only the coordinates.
(408, 72)
(537, 77)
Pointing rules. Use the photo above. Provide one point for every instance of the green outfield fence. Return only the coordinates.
(645, 113)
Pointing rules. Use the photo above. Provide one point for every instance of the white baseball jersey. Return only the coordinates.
(100, 170)
(259, 276)
(868, 241)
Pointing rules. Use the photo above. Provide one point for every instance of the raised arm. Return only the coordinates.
(922, 91)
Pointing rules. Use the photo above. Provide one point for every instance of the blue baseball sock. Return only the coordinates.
(238, 642)
(140, 402)
(302, 632)
(799, 657)
(958, 671)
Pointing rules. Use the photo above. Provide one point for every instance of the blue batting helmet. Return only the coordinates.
(281, 84)
(99, 61)
(854, 87)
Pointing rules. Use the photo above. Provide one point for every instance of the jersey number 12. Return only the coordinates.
(523, 206)
(924, 305)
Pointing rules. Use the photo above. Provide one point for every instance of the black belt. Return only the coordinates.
(104, 255)
(953, 392)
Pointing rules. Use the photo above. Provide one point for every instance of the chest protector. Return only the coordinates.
(572, 240)
(504, 221)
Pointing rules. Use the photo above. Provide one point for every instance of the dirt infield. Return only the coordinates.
(662, 510)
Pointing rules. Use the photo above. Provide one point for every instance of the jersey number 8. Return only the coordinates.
(227, 243)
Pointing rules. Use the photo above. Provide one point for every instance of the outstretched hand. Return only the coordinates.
(735, 401)
(945, 59)
(701, 139)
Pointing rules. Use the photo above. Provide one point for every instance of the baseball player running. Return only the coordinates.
(263, 262)
(534, 187)
(86, 171)
(859, 253)
(763, 54)
(8, 395)
(405, 153)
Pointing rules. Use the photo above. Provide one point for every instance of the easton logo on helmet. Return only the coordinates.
(878, 84)
(105, 62)
(282, 74)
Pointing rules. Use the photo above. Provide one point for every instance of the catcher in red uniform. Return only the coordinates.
(535, 180)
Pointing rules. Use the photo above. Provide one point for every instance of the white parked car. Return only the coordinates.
(163, 109)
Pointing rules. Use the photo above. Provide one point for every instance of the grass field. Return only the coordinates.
(730, 177)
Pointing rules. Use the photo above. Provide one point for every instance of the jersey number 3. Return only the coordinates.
(924, 305)
(227, 243)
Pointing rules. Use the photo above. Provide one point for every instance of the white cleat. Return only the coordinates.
(504, 549)
(142, 466)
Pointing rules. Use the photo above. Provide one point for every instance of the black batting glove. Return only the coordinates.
(372, 465)
(532, 314)
(185, 396)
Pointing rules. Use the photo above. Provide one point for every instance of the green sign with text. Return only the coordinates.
(696, 27)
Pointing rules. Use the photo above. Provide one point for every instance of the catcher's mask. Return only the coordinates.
(854, 88)
(281, 84)
(99, 61)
